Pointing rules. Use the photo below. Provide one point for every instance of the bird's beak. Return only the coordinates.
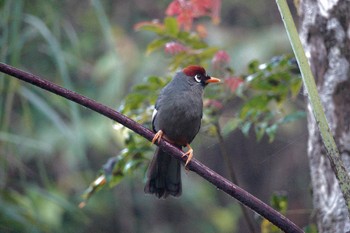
(212, 80)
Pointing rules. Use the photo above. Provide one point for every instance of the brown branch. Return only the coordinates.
(220, 182)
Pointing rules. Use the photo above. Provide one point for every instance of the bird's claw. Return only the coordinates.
(157, 136)
(189, 153)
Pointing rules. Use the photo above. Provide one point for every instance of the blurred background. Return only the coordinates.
(51, 149)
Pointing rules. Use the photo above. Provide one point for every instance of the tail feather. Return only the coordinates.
(164, 175)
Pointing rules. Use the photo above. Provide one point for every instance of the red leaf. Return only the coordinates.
(213, 103)
(215, 11)
(186, 19)
(201, 7)
(142, 24)
(233, 83)
(174, 8)
(220, 59)
(202, 31)
(174, 48)
(187, 10)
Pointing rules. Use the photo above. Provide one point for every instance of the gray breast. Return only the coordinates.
(179, 115)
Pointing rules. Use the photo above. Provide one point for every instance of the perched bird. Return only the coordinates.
(176, 118)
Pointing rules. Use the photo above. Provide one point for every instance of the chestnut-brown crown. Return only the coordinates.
(194, 70)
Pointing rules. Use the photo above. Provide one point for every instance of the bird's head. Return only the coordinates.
(199, 75)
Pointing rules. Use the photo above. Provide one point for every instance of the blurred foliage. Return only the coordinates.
(312, 228)
(263, 90)
(38, 128)
(51, 148)
(185, 47)
(279, 201)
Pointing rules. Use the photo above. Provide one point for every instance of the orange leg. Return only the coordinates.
(157, 136)
(189, 153)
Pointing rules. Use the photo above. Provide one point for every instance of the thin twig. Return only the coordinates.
(220, 182)
(233, 177)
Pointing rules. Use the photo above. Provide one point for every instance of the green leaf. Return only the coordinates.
(271, 132)
(133, 101)
(109, 167)
(43, 106)
(295, 86)
(115, 179)
(311, 228)
(156, 44)
(230, 126)
(155, 80)
(279, 201)
(260, 130)
(254, 107)
(207, 53)
(95, 186)
(150, 26)
(292, 117)
(131, 165)
(253, 66)
(191, 40)
(180, 60)
(171, 26)
(156, 83)
(246, 127)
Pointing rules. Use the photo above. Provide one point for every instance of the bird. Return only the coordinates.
(176, 118)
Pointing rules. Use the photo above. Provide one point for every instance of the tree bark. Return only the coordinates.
(325, 34)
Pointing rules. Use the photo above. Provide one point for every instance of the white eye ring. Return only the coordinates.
(197, 77)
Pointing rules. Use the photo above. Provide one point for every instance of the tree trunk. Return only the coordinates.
(325, 34)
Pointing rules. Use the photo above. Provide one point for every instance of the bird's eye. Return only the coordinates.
(197, 77)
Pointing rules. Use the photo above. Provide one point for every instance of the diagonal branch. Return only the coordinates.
(220, 182)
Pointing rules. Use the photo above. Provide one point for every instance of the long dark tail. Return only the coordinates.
(164, 175)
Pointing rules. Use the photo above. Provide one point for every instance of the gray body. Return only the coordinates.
(178, 113)
(179, 110)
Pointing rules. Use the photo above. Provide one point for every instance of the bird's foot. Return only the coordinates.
(157, 136)
(189, 153)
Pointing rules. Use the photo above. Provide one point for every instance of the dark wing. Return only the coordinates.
(197, 129)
